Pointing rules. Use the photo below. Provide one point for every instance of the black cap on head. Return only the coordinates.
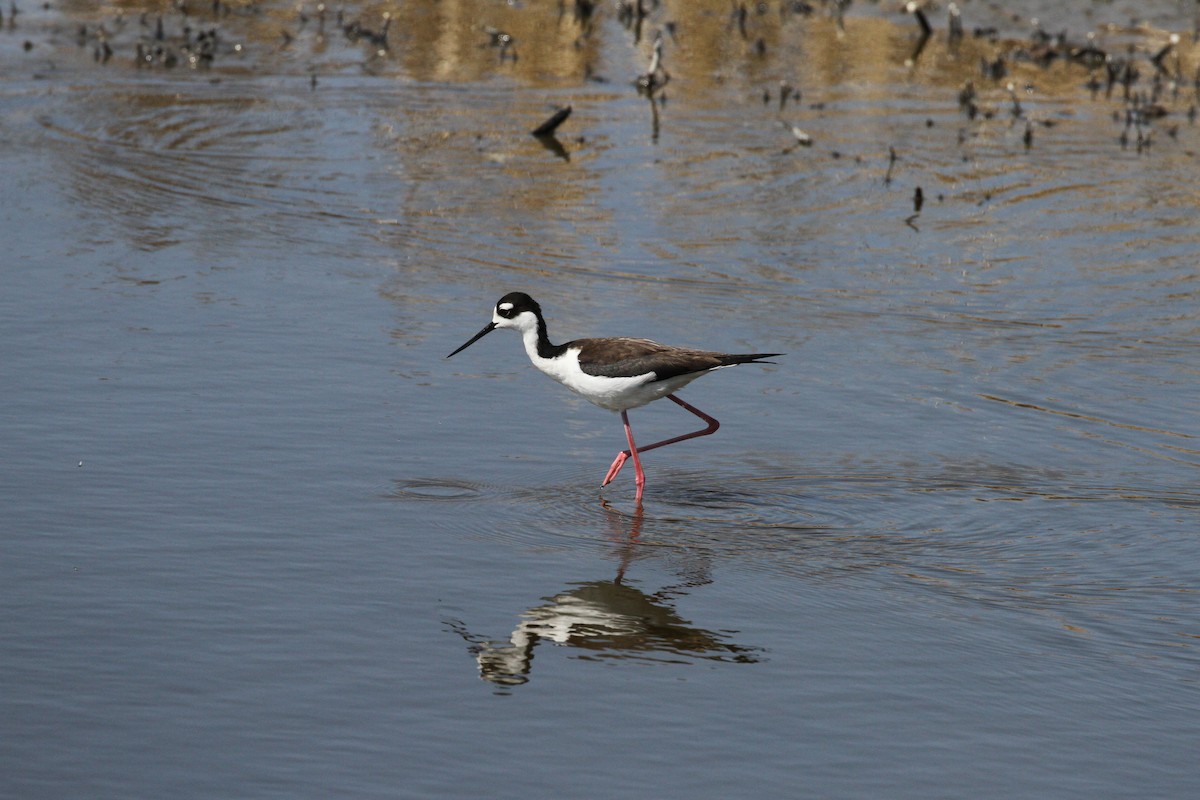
(508, 307)
(514, 303)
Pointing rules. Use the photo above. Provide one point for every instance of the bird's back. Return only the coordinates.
(627, 357)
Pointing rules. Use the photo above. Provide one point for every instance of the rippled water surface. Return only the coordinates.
(261, 539)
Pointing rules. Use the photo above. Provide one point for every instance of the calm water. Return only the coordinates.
(262, 540)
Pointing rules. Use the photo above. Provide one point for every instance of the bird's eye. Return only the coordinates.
(506, 310)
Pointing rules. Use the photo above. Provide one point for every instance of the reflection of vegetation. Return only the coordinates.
(708, 43)
(706, 40)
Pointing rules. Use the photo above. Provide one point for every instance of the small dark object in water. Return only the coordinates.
(1154, 111)
(1144, 141)
(839, 14)
(1090, 56)
(954, 26)
(1017, 112)
(354, 31)
(551, 143)
(993, 69)
(916, 10)
(583, 11)
(785, 91)
(631, 14)
(1129, 76)
(1028, 137)
(1157, 58)
(918, 199)
(966, 97)
(548, 127)
(892, 159)
(739, 15)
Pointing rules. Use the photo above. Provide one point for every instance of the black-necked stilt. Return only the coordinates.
(615, 373)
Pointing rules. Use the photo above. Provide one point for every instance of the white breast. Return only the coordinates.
(611, 393)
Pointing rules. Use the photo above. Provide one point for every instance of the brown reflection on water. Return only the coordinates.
(473, 40)
(461, 41)
(441, 155)
(866, 52)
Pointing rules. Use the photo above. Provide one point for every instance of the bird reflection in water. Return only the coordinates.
(608, 619)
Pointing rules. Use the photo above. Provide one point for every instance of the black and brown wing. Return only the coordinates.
(626, 358)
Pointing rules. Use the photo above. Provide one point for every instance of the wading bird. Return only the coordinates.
(616, 373)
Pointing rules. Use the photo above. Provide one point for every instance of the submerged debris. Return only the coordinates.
(548, 127)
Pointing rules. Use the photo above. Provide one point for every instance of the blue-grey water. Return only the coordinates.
(261, 539)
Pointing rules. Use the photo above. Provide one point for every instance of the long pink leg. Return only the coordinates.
(637, 462)
(619, 461)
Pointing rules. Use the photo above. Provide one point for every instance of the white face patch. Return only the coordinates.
(505, 306)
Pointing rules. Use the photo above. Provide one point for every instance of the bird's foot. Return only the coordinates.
(618, 462)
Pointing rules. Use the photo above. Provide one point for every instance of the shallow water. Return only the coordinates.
(262, 539)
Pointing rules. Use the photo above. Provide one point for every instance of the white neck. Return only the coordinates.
(530, 337)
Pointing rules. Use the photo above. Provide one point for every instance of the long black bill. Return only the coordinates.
(491, 326)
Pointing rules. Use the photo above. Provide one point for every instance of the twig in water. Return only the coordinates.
(892, 159)
(548, 127)
(954, 28)
(915, 9)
